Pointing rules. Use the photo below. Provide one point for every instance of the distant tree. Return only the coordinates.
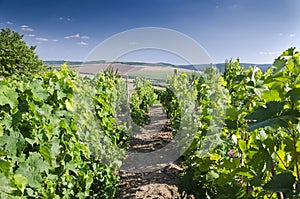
(15, 56)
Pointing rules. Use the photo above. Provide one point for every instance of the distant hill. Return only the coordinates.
(199, 67)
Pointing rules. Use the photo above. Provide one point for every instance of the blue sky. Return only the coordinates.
(253, 30)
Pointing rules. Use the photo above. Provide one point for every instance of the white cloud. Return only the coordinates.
(9, 23)
(54, 40)
(41, 39)
(30, 35)
(269, 53)
(77, 36)
(292, 35)
(85, 37)
(280, 34)
(73, 36)
(82, 43)
(26, 28)
(68, 18)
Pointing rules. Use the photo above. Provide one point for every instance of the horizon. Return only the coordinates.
(141, 62)
(254, 31)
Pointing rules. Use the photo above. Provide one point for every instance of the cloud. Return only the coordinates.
(9, 23)
(30, 35)
(85, 37)
(280, 34)
(41, 39)
(26, 28)
(82, 43)
(73, 36)
(68, 18)
(269, 53)
(292, 35)
(54, 40)
(77, 36)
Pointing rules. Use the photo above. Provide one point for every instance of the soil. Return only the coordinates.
(149, 171)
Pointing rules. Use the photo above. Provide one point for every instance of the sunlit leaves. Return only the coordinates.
(39, 93)
(261, 135)
(8, 96)
(141, 100)
(20, 181)
(41, 150)
(32, 169)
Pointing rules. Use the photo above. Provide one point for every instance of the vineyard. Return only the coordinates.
(237, 133)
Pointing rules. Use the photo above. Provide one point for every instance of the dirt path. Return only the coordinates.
(147, 171)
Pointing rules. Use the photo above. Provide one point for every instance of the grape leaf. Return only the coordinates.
(6, 186)
(32, 169)
(266, 112)
(281, 183)
(39, 93)
(8, 96)
(294, 94)
(20, 181)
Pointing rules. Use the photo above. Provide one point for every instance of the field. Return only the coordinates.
(157, 74)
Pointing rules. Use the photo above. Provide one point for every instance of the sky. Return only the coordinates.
(255, 31)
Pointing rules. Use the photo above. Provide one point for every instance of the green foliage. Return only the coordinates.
(58, 136)
(141, 100)
(258, 156)
(16, 57)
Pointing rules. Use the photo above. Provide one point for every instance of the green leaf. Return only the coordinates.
(5, 185)
(281, 183)
(280, 121)
(211, 175)
(39, 93)
(294, 94)
(11, 142)
(243, 171)
(272, 114)
(8, 96)
(32, 169)
(298, 188)
(3, 153)
(69, 106)
(271, 95)
(278, 64)
(49, 151)
(45, 152)
(1, 131)
(242, 144)
(4, 166)
(232, 113)
(266, 112)
(20, 181)
(288, 52)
